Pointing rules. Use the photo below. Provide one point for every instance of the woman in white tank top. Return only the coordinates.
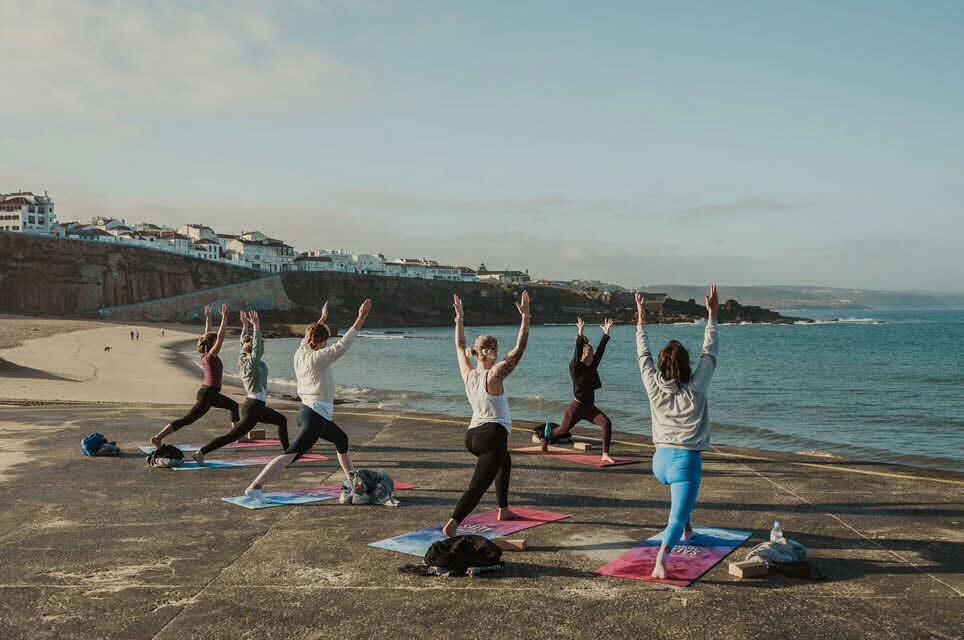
(487, 437)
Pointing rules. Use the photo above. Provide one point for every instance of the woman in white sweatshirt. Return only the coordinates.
(681, 420)
(316, 386)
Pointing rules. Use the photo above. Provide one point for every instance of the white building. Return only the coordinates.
(198, 232)
(507, 276)
(206, 248)
(468, 275)
(317, 263)
(257, 251)
(26, 212)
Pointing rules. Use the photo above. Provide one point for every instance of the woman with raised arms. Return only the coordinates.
(583, 369)
(316, 386)
(487, 437)
(254, 377)
(681, 419)
(209, 395)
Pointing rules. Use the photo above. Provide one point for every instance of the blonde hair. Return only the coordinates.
(247, 344)
(316, 334)
(486, 346)
(206, 341)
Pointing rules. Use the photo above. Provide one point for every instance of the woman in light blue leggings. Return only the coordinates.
(681, 420)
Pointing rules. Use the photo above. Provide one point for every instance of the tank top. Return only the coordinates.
(486, 408)
(213, 369)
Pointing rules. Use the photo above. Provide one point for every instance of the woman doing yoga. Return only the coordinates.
(487, 437)
(585, 381)
(316, 386)
(254, 377)
(681, 421)
(209, 395)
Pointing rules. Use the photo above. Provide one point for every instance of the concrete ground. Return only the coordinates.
(110, 548)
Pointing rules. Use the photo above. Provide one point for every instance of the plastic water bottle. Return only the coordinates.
(776, 533)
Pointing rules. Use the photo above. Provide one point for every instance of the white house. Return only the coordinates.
(508, 276)
(369, 263)
(256, 250)
(317, 263)
(198, 232)
(467, 275)
(206, 248)
(26, 212)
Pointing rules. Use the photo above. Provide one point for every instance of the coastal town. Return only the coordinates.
(30, 213)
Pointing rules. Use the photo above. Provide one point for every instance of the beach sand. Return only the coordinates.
(72, 365)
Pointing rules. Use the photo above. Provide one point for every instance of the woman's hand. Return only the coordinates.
(580, 324)
(640, 311)
(712, 302)
(244, 319)
(324, 314)
(457, 305)
(224, 313)
(207, 311)
(363, 312)
(523, 306)
(606, 325)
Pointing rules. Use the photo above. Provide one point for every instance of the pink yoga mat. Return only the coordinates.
(592, 459)
(686, 562)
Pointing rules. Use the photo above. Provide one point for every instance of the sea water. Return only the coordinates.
(881, 385)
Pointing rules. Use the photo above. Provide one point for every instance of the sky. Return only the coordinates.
(744, 143)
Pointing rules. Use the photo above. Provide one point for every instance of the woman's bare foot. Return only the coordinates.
(607, 458)
(659, 570)
(198, 458)
(544, 445)
(688, 533)
(506, 514)
(450, 528)
(157, 440)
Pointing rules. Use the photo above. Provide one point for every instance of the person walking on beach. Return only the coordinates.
(132, 336)
(316, 386)
(681, 421)
(137, 334)
(487, 437)
(254, 377)
(585, 381)
(209, 395)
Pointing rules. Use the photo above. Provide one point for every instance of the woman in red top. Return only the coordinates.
(209, 395)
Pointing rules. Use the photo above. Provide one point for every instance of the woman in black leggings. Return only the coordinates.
(209, 395)
(487, 437)
(316, 386)
(254, 377)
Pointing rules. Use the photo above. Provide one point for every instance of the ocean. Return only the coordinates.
(881, 385)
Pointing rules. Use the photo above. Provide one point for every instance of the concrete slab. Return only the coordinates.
(110, 548)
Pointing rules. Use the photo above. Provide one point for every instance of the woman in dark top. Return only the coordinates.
(585, 381)
(209, 395)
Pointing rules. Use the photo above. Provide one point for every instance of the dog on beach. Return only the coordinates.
(106, 348)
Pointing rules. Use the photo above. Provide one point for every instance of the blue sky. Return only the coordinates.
(634, 142)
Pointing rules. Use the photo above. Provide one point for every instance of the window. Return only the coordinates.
(40, 220)
(16, 228)
(30, 219)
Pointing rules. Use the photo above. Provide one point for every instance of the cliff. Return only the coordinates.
(63, 277)
(54, 276)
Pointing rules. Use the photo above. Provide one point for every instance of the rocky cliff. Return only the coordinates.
(53, 276)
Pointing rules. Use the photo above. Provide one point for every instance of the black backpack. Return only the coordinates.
(165, 455)
(461, 553)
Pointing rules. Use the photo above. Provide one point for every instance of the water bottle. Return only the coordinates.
(776, 533)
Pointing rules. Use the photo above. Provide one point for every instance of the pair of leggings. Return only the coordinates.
(577, 411)
(207, 397)
(490, 444)
(253, 411)
(681, 469)
(311, 427)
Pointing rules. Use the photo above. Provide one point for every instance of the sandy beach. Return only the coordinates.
(70, 363)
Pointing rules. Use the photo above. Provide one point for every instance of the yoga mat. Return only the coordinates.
(243, 462)
(686, 562)
(234, 445)
(487, 525)
(297, 496)
(592, 459)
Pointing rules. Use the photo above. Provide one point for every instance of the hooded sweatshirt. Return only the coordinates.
(253, 370)
(680, 413)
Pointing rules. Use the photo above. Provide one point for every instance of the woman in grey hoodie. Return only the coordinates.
(681, 421)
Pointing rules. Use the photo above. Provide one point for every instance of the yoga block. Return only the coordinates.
(583, 446)
(510, 544)
(256, 434)
(749, 568)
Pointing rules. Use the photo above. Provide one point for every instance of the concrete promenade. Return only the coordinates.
(110, 548)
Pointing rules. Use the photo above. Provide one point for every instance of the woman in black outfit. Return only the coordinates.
(585, 381)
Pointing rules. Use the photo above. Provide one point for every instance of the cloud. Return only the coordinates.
(748, 205)
(98, 60)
